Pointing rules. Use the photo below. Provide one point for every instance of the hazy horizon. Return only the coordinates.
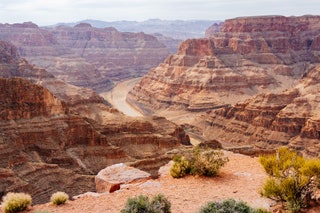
(51, 12)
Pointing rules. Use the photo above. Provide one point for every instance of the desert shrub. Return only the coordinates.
(180, 168)
(202, 161)
(207, 162)
(137, 205)
(16, 202)
(141, 204)
(160, 204)
(292, 180)
(229, 206)
(59, 198)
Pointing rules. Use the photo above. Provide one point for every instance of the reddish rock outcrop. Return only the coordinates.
(268, 121)
(14, 66)
(111, 178)
(248, 56)
(216, 27)
(55, 137)
(86, 56)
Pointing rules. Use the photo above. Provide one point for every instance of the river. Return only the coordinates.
(117, 97)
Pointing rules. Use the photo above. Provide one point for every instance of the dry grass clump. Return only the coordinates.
(59, 198)
(16, 202)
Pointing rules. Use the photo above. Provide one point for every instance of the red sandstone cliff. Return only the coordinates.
(84, 55)
(56, 137)
(267, 121)
(249, 56)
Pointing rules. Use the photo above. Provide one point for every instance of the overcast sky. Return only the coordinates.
(46, 12)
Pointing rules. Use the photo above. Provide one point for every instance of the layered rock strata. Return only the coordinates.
(248, 56)
(270, 120)
(57, 139)
(86, 56)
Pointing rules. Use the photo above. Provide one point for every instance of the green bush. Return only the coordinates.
(202, 161)
(16, 202)
(293, 180)
(229, 206)
(160, 204)
(141, 204)
(180, 168)
(59, 198)
(207, 162)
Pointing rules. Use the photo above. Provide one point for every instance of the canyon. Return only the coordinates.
(56, 136)
(245, 86)
(269, 120)
(86, 56)
(250, 86)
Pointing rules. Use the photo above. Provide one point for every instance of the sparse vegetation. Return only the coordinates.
(203, 161)
(180, 168)
(141, 204)
(16, 202)
(160, 204)
(292, 179)
(59, 198)
(230, 206)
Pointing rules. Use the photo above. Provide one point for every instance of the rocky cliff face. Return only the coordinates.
(86, 56)
(14, 66)
(270, 120)
(214, 28)
(247, 57)
(57, 139)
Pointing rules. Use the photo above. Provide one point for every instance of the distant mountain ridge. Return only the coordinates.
(87, 56)
(177, 29)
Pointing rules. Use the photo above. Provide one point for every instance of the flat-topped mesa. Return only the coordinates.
(247, 57)
(271, 23)
(84, 55)
(25, 25)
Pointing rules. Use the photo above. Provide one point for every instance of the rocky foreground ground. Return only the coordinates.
(241, 179)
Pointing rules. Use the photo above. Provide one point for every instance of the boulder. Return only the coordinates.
(111, 178)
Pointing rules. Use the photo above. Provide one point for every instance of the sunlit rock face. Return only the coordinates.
(248, 56)
(269, 120)
(86, 56)
(56, 137)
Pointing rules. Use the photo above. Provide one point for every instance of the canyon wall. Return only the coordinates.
(249, 56)
(269, 120)
(86, 56)
(56, 137)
